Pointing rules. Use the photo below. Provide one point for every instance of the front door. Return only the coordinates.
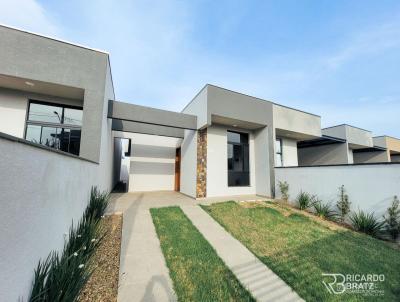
(178, 169)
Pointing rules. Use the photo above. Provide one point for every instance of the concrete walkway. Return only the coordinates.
(143, 274)
(261, 282)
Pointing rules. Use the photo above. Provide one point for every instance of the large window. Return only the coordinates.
(55, 126)
(238, 159)
(278, 155)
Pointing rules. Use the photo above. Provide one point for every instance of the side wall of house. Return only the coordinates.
(370, 157)
(217, 167)
(42, 193)
(371, 187)
(323, 155)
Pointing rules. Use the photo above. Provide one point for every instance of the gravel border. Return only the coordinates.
(103, 284)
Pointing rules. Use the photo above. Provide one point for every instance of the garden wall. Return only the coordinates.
(41, 192)
(370, 187)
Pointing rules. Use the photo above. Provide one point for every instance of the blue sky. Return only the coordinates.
(338, 59)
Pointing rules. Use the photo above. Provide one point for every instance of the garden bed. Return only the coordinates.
(103, 283)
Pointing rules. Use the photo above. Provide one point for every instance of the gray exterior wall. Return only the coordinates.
(323, 155)
(371, 157)
(28, 56)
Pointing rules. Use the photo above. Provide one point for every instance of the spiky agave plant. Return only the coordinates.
(366, 223)
(324, 210)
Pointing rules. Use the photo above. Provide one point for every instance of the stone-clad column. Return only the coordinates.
(201, 183)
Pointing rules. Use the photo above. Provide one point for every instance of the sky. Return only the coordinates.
(338, 59)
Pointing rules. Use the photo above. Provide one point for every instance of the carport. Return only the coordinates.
(147, 144)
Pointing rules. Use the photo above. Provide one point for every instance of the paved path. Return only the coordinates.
(263, 284)
(143, 276)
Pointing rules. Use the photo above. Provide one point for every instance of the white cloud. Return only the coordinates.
(28, 15)
(368, 42)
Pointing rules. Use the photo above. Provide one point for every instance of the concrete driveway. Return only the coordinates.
(143, 273)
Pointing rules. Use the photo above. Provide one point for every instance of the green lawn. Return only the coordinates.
(299, 249)
(196, 270)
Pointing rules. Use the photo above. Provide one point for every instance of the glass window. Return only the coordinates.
(73, 116)
(238, 159)
(45, 113)
(55, 126)
(33, 133)
(278, 153)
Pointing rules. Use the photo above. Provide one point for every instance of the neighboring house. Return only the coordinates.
(346, 144)
(392, 146)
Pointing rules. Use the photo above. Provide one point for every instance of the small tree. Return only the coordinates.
(284, 188)
(392, 219)
(343, 204)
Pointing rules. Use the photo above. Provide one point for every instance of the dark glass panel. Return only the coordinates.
(230, 157)
(45, 113)
(73, 116)
(75, 141)
(33, 133)
(64, 139)
(50, 137)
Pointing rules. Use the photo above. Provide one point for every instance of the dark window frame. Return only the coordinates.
(244, 146)
(60, 125)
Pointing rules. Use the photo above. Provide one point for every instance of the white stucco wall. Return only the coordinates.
(41, 193)
(217, 166)
(370, 187)
(12, 113)
(289, 152)
(189, 163)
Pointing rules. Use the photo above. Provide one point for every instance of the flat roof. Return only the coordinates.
(52, 38)
(247, 95)
(347, 126)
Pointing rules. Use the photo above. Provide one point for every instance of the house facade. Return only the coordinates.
(62, 131)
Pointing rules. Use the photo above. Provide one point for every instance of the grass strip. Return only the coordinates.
(198, 274)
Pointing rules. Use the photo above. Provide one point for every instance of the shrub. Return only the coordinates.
(284, 188)
(305, 200)
(366, 223)
(61, 276)
(324, 211)
(97, 204)
(392, 219)
(343, 204)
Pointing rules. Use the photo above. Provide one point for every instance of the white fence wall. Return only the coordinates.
(41, 193)
(370, 187)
